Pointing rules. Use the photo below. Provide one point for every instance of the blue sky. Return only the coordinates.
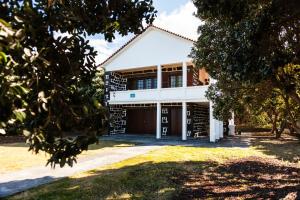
(173, 15)
(168, 5)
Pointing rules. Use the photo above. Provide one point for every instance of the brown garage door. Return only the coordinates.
(176, 121)
(141, 121)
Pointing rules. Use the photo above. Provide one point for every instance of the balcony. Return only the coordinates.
(168, 83)
(179, 94)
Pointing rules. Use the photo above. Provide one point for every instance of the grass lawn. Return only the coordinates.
(15, 156)
(268, 169)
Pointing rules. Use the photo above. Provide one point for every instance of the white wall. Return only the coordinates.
(151, 48)
(167, 95)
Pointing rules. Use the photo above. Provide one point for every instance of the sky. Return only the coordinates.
(174, 15)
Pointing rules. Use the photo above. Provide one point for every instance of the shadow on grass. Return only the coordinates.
(250, 177)
(282, 149)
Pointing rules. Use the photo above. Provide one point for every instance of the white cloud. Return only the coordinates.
(106, 49)
(181, 21)
(103, 49)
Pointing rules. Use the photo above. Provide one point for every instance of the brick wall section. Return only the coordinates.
(165, 119)
(189, 120)
(200, 119)
(113, 82)
(117, 114)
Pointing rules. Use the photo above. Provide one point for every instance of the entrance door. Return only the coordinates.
(141, 121)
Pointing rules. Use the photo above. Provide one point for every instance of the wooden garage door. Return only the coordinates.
(141, 121)
(176, 121)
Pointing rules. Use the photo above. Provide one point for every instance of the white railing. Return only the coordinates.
(167, 95)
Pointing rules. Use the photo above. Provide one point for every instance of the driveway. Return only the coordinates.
(232, 141)
(22, 180)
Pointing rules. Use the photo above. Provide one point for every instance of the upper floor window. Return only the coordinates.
(148, 83)
(155, 83)
(140, 84)
(176, 81)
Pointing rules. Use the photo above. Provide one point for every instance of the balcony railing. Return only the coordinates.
(190, 94)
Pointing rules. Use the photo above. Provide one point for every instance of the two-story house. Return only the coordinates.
(153, 87)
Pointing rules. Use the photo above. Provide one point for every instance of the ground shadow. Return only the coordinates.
(248, 178)
(283, 149)
(245, 178)
(5, 139)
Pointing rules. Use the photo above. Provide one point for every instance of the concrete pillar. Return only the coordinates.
(212, 134)
(184, 74)
(159, 77)
(158, 120)
(231, 125)
(184, 125)
(221, 129)
(217, 129)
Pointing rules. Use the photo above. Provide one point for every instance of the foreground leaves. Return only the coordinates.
(49, 83)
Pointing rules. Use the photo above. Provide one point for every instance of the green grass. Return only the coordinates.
(175, 172)
(155, 175)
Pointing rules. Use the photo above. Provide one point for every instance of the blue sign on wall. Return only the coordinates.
(132, 95)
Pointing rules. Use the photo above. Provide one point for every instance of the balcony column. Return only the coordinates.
(184, 74)
(184, 126)
(212, 130)
(221, 129)
(231, 125)
(158, 120)
(159, 77)
(217, 129)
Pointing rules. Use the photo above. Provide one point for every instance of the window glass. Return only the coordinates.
(155, 83)
(176, 81)
(140, 84)
(148, 83)
(179, 81)
(173, 81)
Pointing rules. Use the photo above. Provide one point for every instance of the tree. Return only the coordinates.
(48, 83)
(252, 48)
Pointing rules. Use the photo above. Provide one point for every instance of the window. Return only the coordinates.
(173, 81)
(179, 81)
(140, 84)
(155, 83)
(148, 83)
(176, 80)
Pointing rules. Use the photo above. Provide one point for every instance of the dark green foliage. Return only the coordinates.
(252, 48)
(50, 85)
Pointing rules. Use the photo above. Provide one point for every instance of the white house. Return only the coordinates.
(152, 87)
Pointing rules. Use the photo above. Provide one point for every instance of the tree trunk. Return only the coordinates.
(295, 123)
(281, 129)
(273, 120)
